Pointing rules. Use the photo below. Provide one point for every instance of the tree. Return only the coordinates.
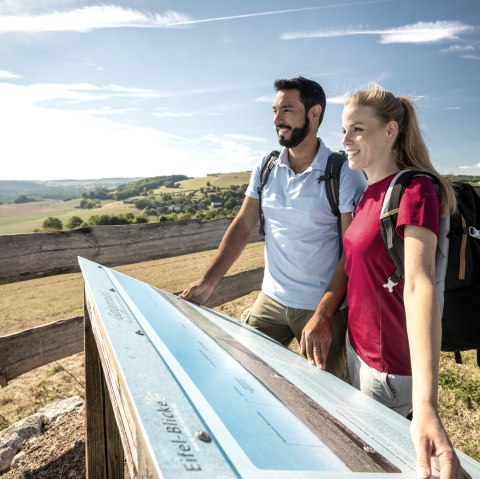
(74, 222)
(52, 224)
(23, 199)
(230, 204)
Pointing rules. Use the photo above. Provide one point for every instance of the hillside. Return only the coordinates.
(123, 201)
(166, 197)
(55, 189)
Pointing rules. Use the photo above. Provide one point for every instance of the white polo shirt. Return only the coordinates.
(301, 242)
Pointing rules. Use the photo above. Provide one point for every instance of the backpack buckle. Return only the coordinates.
(390, 284)
(473, 232)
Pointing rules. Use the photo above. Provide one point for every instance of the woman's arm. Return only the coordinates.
(424, 336)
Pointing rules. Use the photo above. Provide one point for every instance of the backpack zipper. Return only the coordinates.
(461, 269)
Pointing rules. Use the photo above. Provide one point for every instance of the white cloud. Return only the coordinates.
(236, 154)
(87, 19)
(425, 32)
(459, 48)
(471, 57)
(42, 142)
(8, 75)
(171, 114)
(16, 7)
(421, 32)
(468, 170)
(277, 12)
(264, 99)
(23, 18)
(336, 100)
(236, 136)
(83, 92)
(452, 108)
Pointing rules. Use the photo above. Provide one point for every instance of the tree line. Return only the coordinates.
(206, 203)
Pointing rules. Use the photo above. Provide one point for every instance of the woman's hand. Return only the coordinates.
(433, 446)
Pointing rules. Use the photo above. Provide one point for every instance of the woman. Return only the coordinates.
(393, 341)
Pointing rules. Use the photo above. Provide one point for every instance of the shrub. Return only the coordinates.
(52, 224)
(74, 222)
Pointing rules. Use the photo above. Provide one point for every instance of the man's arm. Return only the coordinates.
(317, 334)
(233, 243)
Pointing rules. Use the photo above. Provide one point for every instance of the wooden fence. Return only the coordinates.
(44, 254)
(28, 256)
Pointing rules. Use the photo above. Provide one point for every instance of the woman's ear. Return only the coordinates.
(392, 131)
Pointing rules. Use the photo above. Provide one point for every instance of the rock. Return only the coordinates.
(60, 408)
(12, 438)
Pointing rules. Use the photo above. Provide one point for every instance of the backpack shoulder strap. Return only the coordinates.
(332, 188)
(264, 175)
(332, 176)
(388, 221)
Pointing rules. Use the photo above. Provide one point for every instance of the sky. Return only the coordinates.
(146, 88)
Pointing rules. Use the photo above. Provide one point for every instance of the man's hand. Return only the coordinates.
(432, 444)
(316, 340)
(197, 292)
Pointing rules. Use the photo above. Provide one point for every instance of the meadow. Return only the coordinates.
(28, 217)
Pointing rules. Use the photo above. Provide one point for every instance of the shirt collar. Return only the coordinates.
(318, 163)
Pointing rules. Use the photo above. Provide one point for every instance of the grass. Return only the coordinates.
(35, 302)
(27, 217)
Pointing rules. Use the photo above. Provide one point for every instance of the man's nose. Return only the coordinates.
(277, 118)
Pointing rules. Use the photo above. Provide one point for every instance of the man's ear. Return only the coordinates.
(316, 111)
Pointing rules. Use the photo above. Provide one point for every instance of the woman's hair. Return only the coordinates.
(409, 149)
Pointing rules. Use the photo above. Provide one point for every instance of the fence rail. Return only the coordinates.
(29, 349)
(35, 255)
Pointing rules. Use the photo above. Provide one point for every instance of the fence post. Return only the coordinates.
(103, 447)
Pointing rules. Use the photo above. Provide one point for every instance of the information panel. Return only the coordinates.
(216, 398)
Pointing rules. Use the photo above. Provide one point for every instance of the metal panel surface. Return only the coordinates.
(213, 397)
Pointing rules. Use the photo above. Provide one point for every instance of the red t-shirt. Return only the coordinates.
(376, 317)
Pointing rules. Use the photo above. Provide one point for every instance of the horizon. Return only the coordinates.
(132, 89)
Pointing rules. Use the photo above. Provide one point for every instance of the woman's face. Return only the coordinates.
(367, 141)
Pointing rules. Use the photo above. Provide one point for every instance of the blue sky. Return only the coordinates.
(146, 88)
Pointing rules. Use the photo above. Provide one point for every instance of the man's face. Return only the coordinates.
(290, 118)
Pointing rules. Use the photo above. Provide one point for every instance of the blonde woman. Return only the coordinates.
(393, 340)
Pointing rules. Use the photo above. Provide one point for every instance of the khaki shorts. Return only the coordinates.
(283, 323)
(392, 390)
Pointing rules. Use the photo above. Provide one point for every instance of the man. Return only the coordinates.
(304, 283)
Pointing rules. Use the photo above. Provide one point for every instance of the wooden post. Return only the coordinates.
(103, 447)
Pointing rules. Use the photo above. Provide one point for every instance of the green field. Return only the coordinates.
(28, 217)
(222, 180)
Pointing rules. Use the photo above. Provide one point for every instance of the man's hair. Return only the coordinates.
(311, 93)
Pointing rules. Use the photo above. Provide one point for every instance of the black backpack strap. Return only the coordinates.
(332, 187)
(264, 175)
(388, 222)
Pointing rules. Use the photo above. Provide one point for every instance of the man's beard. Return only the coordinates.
(298, 135)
